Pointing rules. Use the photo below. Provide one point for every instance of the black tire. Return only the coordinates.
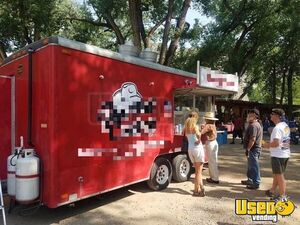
(160, 175)
(182, 168)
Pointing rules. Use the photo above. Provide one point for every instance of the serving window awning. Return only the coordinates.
(204, 91)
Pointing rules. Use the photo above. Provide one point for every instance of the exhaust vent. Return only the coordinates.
(149, 55)
(129, 49)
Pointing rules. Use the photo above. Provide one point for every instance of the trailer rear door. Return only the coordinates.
(7, 127)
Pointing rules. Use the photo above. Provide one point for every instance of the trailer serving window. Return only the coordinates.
(185, 101)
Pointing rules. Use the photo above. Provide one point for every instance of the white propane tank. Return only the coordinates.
(27, 177)
(11, 174)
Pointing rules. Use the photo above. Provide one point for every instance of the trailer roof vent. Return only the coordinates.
(129, 49)
(149, 55)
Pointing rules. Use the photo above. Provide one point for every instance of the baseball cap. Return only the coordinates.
(255, 111)
(278, 111)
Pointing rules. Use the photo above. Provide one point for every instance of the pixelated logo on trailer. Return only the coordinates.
(128, 115)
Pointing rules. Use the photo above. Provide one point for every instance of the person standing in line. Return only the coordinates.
(252, 146)
(209, 129)
(195, 151)
(279, 147)
(238, 129)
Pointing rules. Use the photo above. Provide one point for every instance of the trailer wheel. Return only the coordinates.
(160, 175)
(182, 168)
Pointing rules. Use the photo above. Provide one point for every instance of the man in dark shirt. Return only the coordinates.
(252, 146)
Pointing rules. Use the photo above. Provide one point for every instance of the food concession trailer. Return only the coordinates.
(77, 120)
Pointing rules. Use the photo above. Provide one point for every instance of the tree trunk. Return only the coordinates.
(179, 28)
(290, 91)
(151, 32)
(26, 35)
(239, 42)
(134, 6)
(246, 60)
(248, 88)
(141, 25)
(116, 29)
(273, 85)
(3, 54)
(164, 45)
(282, 87)
(37, 34)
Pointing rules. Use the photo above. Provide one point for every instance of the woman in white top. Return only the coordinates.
(196, 152)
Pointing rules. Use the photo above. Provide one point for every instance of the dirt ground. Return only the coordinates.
(137, 204)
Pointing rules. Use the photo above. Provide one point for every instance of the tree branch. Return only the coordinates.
(152, 30)
(95, 23)
(163, 49)
(3, 54)
(179, 28)
(236, 17)
(248, 56)
(248, 87)
(226, 4)
(109, 19)
(134, 21)
(141, 24)
(243, 35)
(26, 35)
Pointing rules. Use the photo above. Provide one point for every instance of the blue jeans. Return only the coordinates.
(253, 173)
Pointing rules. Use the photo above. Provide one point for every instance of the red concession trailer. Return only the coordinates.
(96, 119)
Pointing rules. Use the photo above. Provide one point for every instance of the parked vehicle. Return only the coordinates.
(94, 120)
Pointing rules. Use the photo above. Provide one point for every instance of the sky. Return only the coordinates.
(193, 14)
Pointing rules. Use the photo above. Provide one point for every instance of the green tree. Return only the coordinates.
(23, 22)
(101, 22)
(145, 18)
(257, 39)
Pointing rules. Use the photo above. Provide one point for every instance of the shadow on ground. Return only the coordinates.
(232, 163)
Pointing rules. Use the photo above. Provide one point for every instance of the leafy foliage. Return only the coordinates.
(258, 40)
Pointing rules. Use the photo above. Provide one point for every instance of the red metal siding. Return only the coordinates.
(78, 93)
(5, 124)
